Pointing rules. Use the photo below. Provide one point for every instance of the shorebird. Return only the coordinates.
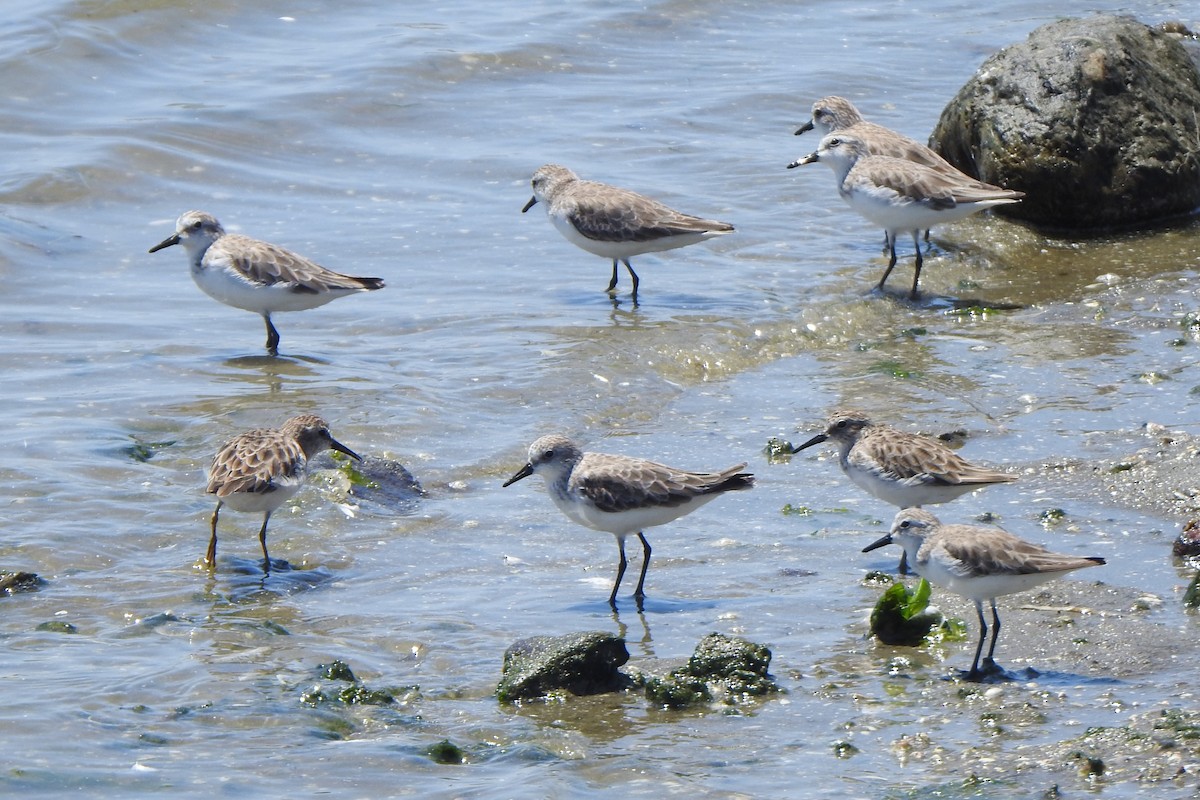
(900, 195)
(623, 495)
(977, 563)
(260, 470)
(900, 468)
(615, 223)
(257, 276)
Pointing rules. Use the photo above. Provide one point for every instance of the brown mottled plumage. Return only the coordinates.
(903, 469)
(612, 222)
(902, 195)
(259, 470)
(623, 495)
(254, 275)
(977, 563)
(835, 114)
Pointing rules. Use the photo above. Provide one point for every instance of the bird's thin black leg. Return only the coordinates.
(262, 539)
(613, 283)
(891, 261)
(917, 270)
(973, 675)
(612, 598)
(210, 556)
(640, 594)
(272, 336)
(995, 632)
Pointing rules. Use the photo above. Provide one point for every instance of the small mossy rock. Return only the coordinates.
(721, 666)
(17, 582)
(1094, 119)
(375, 481)
(581, 663)
(446, 752)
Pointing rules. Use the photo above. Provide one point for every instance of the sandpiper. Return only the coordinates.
(623, 495)
(259, 470)
(900, 195)
(615, 223)
(900, 468)
(977, 563)
(257, 276)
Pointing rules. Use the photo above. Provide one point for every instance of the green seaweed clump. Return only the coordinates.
(902, 617)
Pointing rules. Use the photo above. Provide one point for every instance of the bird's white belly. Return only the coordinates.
(893, 212)
(905, 495)
(251, 502)
(232, 289)
(984, 587)
(623, 523)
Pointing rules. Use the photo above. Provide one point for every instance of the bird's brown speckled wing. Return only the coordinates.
(908, 456)
(611, 214)
(252, 461)
(266, 265)
(972, 552)
(619, 484)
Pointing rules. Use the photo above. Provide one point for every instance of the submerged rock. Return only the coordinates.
(1187, 543)
(1094, 119)
(580, 663)
(722, 668)
(17, 582)
(376, 481)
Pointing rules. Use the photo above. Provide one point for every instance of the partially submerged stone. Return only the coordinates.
(1187, 543)
(580, 663)
(1094, 119)
(375, 481)
(17, 582)
(722, 669)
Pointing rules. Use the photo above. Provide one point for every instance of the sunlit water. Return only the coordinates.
(398, 142)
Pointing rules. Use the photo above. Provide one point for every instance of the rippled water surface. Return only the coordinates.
(398, 140)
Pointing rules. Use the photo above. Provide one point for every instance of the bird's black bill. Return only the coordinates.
(341, 448)
(800, 162)
(805, 128)
(878, 543)
(170, 240)
(820, 437)
(532, 202)
(523, 472)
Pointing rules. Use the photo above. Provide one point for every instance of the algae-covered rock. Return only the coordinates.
(1093, 118)
(446, 752)
(375, 481)
(721, 668)
(355, 693)
(902, 617)
(581, 663)
(17, 582)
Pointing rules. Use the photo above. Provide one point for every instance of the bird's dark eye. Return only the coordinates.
(841, 423)
(834, 142)
(906, 523)
(197, 225)
(549, 454)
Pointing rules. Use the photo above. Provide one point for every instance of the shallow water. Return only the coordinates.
(399, 143)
